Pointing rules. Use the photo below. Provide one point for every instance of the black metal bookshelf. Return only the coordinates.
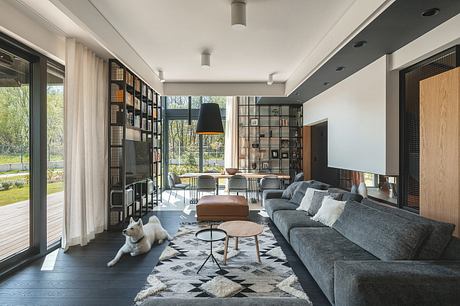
(135, 117)
(269, 138)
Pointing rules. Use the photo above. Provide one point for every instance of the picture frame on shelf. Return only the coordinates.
(284, 155)
(275, 153)
(265, 165)
(254, 122)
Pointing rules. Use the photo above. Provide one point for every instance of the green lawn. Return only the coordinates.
(20, 194)
(13, 159)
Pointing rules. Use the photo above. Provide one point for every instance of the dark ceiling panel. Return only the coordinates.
(399, 24)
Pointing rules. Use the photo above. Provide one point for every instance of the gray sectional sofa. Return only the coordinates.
(373, 254)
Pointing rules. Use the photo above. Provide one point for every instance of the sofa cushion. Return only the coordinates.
(384, 235)
(319, 248)
(436, 241)
(299, 193)
(289, 191)
(273, 205)
(286, 220)
(329, 211)
(350, 196)
(452, 251)
(317, 200)
(307, 198)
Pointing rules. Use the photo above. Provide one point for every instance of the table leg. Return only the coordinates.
(225, 250)
(236, 243)
(257, 248)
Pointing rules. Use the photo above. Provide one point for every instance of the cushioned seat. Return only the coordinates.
(286, 220)
(272, 205)
(222, 208)
(319, 248)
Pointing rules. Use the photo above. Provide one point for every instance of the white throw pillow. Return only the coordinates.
(306, 200)
(330, 211)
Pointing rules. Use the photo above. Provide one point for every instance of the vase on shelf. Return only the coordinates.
(362, 189)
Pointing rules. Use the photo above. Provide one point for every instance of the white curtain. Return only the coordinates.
(231, 133)
(85, 205)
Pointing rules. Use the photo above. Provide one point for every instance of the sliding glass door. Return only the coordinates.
(14, 154)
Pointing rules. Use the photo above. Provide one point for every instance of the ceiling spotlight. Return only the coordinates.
(238, 14)
(340, 68)
(360, 44)
(326, 83)
(161, 76)
(430, 12)
(270, 79)
(205, 59)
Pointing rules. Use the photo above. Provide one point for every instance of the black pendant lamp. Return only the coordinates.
(209, 121)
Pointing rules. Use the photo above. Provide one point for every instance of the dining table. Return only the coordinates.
(253, 181)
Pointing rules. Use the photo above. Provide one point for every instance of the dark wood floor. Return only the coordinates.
(80, 276)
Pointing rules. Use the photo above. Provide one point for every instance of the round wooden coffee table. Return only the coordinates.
(239, 229)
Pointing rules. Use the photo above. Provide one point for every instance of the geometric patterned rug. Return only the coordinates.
(175, 274)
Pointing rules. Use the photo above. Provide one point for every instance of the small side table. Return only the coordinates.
(239, 229)
(210, 235)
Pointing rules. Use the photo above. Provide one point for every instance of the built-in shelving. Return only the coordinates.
(269, 138)
(134, 116)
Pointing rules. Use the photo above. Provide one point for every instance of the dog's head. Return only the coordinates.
(134, 229)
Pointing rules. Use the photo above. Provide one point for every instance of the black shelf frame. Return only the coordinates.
(275, 134)
(132, 105)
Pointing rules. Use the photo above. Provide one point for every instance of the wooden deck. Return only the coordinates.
(14, 219)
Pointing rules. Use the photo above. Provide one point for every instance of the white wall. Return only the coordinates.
(356, 111)
(363, 110)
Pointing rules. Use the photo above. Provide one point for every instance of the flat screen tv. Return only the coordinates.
(137, 161)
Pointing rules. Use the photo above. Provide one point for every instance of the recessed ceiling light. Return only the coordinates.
(270, 79)
(297, 93)
(238, 14)
(326, 83)
(430, 12)
(161, 76)
(360, 44)
(205, 59)
(340, 68)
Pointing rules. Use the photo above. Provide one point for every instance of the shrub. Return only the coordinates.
(19, 183)
(7, 185)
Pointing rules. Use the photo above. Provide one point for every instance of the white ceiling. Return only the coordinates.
(170, 35)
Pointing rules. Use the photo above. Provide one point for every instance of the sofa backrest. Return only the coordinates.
(384, 235)
(346, 195)
(452, 251)
(438, 238)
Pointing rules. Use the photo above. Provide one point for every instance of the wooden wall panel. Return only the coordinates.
(439, 148)
(306, 144)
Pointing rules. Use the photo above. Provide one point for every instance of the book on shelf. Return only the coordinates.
(129, 78)
(116, 93)
(137, 84)
(117, 73)
(137, 103)
(129, 98)
(137, 121)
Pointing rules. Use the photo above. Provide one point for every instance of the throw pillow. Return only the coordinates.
(317, 200)
(289, 191)
(308, 197)
(299, 193)
(330, 211)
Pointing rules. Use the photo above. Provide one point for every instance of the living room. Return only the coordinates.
(231, 152)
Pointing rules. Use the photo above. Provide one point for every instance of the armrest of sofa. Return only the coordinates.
(271, 194)
(396, 282)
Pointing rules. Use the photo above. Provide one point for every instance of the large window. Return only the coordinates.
(31, 153)
(186, 151)
(15, 202)
(55, 156)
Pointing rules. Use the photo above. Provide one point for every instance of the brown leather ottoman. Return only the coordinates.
(222, 208)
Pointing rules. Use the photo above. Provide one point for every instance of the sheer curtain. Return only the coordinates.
(231, 132)
(85, 205)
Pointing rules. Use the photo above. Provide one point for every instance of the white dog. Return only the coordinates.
(140, 238)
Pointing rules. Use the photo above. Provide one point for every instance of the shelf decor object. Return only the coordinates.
(269, 138)
(134, 142)
(209, 120)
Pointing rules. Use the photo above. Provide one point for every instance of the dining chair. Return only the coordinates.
(299, 177)
(268, 182)
(238, 183)
(176, 184)
(205, 183)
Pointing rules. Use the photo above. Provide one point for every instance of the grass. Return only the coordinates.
(14, 195)
(14, 159)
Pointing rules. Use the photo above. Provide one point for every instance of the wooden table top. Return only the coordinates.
(241, 228)
(247, 175)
